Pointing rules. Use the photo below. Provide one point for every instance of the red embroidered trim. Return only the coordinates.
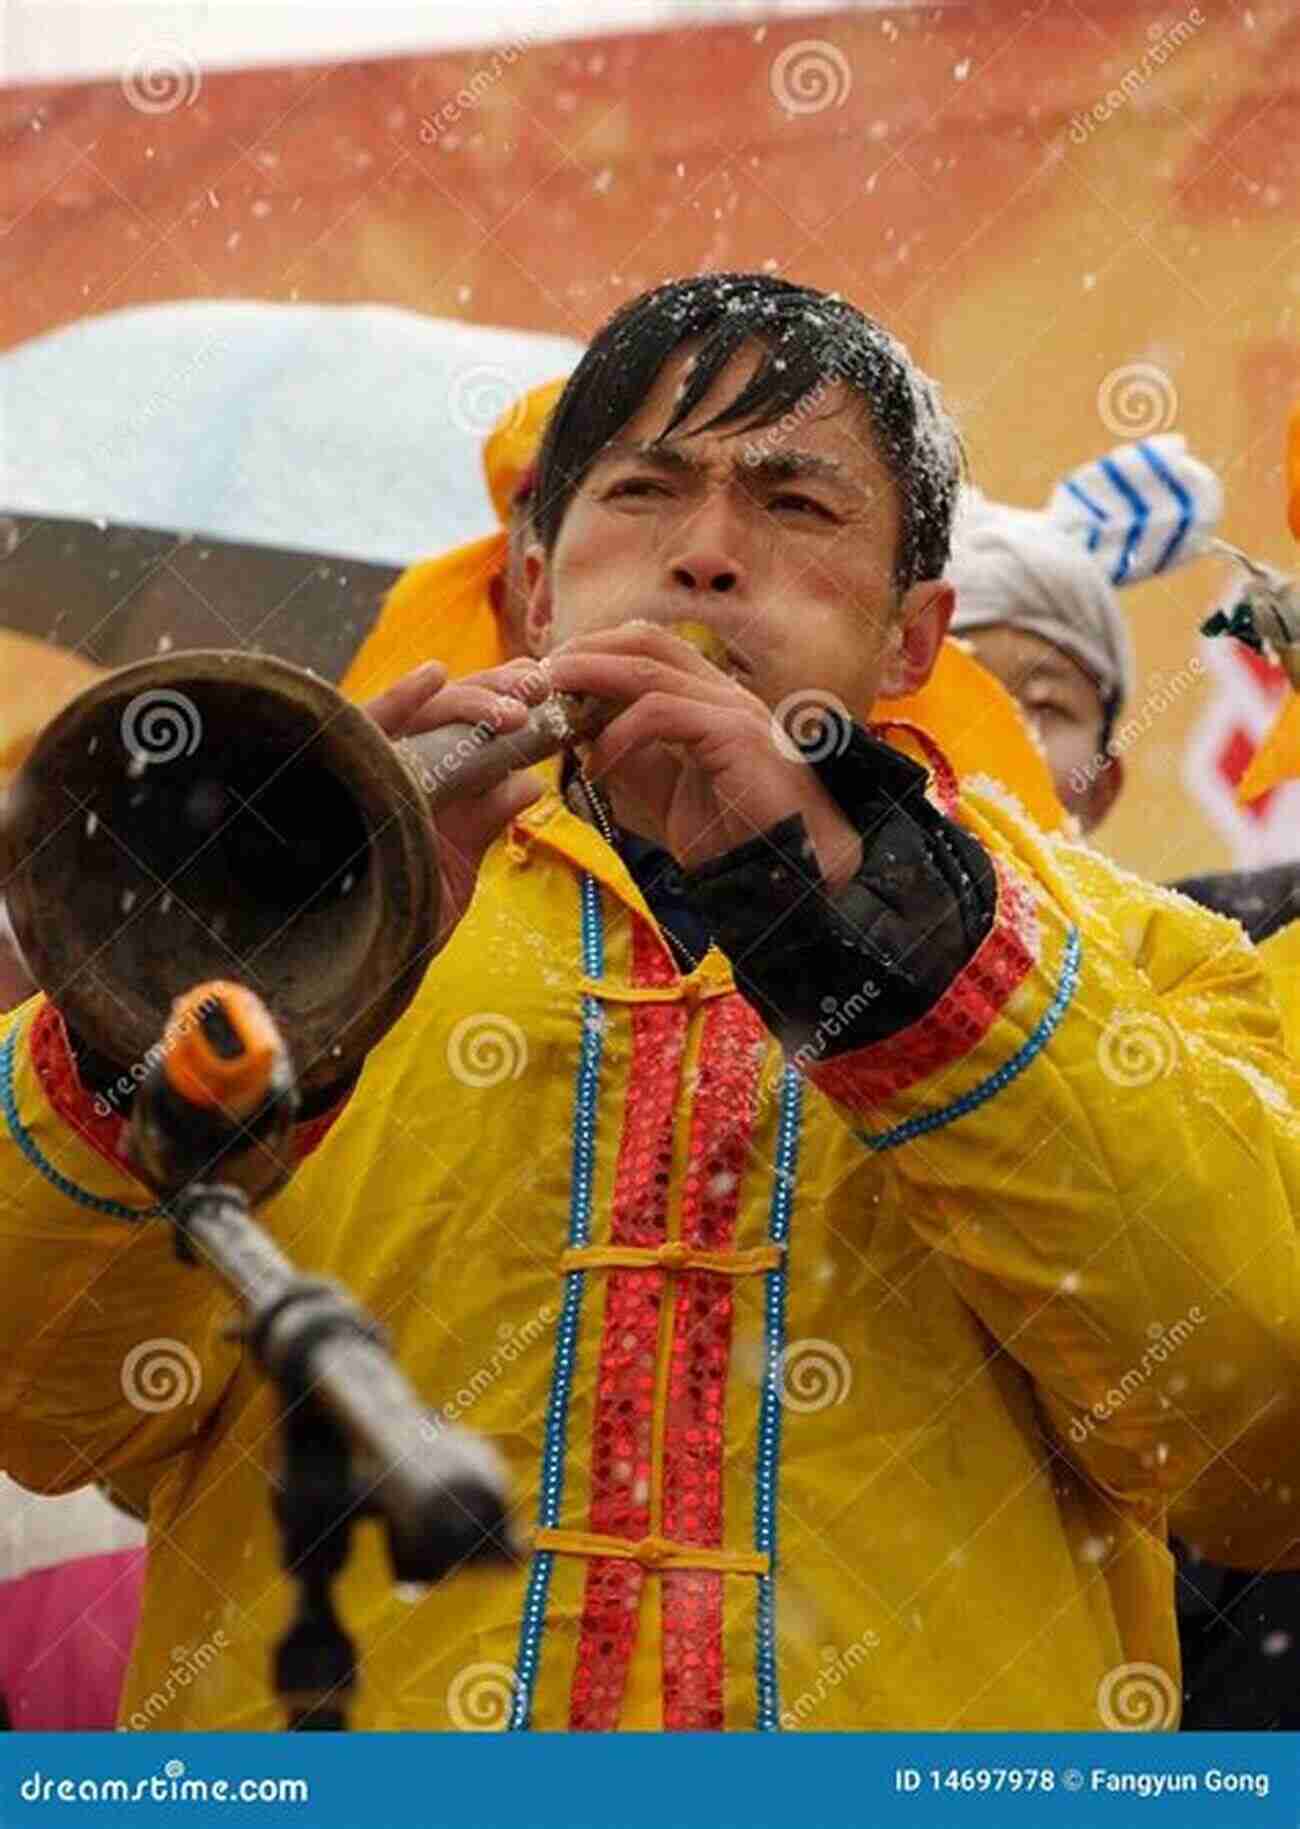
(623, 1426)
(946, 789)
(56, 1069)
(731, 1057)
(959, 1021)
(610, 1607)
(693, 1658)
(105, 1131)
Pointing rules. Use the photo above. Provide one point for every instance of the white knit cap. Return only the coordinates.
(1015, 566)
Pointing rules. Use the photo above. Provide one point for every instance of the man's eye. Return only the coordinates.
(788, 502)
(636, 485)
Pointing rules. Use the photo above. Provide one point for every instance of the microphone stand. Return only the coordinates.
(355, 1440)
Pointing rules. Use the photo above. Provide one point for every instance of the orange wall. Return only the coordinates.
(939, 185)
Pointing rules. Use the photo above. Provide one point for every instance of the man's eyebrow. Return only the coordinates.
(648, 451)
(783, 466)
(770, 467)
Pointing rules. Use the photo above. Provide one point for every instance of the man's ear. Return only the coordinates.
(540, 605)
(1103, 791)
(917, 636)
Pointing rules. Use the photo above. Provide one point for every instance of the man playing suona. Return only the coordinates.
(762, 1165)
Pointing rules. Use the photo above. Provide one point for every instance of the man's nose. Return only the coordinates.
(706, 571)
(706, 555)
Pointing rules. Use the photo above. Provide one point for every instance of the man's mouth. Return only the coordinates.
(706, 641)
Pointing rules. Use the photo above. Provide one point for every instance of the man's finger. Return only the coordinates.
(630, 675)
(640, 636)
(464, 703)
(659, 718)
(391, 709)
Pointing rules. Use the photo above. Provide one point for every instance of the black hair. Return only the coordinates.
(813, 339)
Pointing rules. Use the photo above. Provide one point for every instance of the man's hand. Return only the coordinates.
(693, 762)
(466, 827)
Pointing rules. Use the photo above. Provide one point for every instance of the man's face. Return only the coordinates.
(1065, 707)
(782, 540)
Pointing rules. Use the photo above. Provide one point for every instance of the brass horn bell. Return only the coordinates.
(215, 814)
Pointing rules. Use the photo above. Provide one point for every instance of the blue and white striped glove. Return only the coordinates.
(1141, 509)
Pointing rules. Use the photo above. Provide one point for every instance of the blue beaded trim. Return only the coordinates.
(557, 1416)
(27, 1144)
(1008, 1071)
(769, 1417)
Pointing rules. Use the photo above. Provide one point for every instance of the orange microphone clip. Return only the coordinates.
(220, 1049)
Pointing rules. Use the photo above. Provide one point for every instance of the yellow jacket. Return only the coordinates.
(858, 1403)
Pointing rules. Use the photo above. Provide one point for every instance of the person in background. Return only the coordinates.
(72, 1568)
(71, 1576)
(1039, 612)
(1036, 610)
(465, 607)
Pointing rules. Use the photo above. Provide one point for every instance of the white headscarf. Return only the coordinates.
(1015, 566)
